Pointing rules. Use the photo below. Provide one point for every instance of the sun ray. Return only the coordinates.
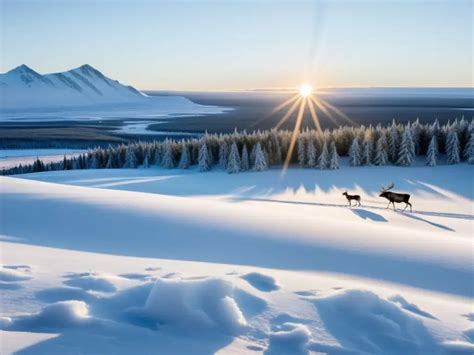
(314, 115)
(318, 103)
(294, 136)
(276, 109)
(337, 111)
(284, 104)
(322, 108)
(289, 113)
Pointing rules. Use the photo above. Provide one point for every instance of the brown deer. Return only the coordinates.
(352, 197)
(393, 197)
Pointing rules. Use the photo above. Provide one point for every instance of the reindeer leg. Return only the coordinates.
(359, 202)
(409, 204)
(389, 202)
(393, 203)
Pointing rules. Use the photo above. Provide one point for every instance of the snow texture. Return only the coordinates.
(195, 304)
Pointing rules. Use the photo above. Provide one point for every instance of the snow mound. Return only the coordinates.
(93, 282)
(57, 315)
(195, 304)
(261, 282)
(410, 306)
(362, 321)
(293, 338)
(12, 275)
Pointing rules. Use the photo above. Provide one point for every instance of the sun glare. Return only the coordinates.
(306, 90)
(305, 98)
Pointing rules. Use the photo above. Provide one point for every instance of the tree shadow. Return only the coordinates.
(364, 214)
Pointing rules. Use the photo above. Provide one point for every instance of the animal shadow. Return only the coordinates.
(369, 215)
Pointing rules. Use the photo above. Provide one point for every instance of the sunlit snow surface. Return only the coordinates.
(179, 262)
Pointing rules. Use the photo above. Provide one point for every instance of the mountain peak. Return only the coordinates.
(88, 70)
(87, 67)
(23, 69)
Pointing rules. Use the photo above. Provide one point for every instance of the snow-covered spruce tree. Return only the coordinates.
(146, 163)
(469, 151)
(354, 153)
(233, 163)
(333, 157)
(130, 158)
(184, 157)
(146, 159)
(245, 162)
(65, 164)
(323, 161)
(432, 153)
(93, 163)
(223, 154)
(167, 160)
(157, 156)
(253, 154)
(75, 164)
(435, 129)
(301, 150)
(416, 134)
(276, 144)
(203, 157)
(381, 157)
(367, 152)
(393, 142)
(110, 162)
(406, 154)
(312, 155)
(453, 148)
(261, 163)
(38, 165)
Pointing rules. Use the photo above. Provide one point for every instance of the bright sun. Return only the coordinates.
(306, 90)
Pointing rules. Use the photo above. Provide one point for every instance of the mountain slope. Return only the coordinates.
(23, 87)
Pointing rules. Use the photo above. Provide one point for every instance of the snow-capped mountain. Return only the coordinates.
(23, 87)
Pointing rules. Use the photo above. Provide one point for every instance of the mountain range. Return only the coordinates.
(23, 87)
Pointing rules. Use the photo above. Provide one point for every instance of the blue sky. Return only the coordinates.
(220, 45)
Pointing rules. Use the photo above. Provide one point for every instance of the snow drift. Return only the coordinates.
(362, 320)
(57, 315)
(292, 339)
(195, 304)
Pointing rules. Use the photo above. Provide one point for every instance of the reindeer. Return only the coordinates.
(352, 197)
(393, 197)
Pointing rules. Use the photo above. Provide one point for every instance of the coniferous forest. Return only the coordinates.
(396, 144)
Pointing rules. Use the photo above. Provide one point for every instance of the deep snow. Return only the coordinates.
(174, 261)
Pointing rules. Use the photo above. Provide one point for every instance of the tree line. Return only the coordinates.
(396, 144)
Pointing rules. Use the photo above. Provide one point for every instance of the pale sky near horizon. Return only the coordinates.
(222, 45)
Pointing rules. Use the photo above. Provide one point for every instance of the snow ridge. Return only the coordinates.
(23, 87)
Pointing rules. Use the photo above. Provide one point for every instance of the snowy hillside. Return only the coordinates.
(178, 262)
(23, 87)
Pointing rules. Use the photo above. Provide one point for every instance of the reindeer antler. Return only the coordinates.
(388, 187)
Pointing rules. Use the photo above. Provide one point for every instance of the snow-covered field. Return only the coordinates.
(179, 262)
